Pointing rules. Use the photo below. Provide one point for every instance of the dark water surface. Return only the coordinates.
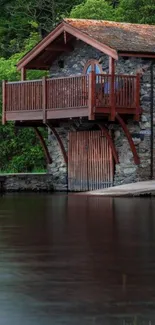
(76, 260)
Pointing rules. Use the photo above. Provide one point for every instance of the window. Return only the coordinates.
(92, 65)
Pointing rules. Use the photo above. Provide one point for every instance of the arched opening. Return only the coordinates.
(92, 65)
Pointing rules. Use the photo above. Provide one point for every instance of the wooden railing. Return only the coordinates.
(125, 90)
(69, 92)
(92, 92)
(24, 95)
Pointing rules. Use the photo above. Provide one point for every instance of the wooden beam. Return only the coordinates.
(44, 146)
(129, 137)
(39, 68)
(111, 65)
(21, 124)
(38, 65)
(110, 141)
(138, 54)
(23, 74)
(61, 48)
(62, 148)
(65, 37)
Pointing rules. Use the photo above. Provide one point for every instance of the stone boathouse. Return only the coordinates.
(97, 102)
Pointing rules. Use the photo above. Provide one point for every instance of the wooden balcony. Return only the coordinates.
(91, 96)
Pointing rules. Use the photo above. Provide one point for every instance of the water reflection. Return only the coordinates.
(77, 260)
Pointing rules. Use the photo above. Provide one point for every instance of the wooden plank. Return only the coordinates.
(38, 115)
(23, 74)
(137, 54)
(59, 48)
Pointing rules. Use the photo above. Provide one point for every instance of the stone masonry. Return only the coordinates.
(126, 171)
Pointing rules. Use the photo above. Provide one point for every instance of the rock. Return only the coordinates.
(145, 98)
(145, 126)
(144, 118)
(130, 171)
(136, 141)
(117, 134)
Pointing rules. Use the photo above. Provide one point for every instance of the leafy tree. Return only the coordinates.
(113, 3)
(93, 9)
(19, 18)
(136, 11)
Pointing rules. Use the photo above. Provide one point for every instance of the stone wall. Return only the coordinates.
(30, 182)
(126, 171)
(58, 167)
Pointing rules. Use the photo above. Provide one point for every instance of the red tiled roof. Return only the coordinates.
(124, 37)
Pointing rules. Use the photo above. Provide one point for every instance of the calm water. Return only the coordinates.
(76, 260)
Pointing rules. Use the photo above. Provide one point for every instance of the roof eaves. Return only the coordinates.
(40, 46)
(65, 26)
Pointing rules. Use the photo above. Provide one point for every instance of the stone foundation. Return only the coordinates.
(31, 182)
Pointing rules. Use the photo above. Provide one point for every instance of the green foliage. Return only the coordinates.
(93, 9)
(8, 70)
(20, 151)
(136, 11)
(20, 18)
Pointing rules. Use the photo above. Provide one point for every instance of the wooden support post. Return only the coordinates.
(44, 98)
(110, 64)
(112, 88)
(44, 146)
(137, 115)
(92, 96)
(129, 137)
(4, 102)
(23, 74)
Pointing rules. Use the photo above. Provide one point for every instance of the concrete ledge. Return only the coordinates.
(133, 189)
